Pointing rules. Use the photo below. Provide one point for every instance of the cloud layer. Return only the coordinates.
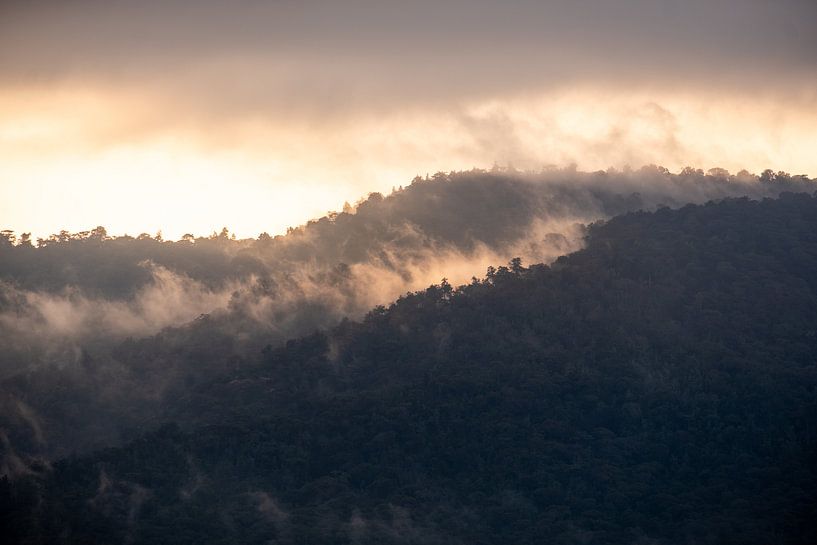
(259, 115)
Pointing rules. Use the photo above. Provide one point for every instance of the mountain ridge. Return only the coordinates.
(656, 386)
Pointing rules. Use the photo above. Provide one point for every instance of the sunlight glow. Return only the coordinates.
(76, 158)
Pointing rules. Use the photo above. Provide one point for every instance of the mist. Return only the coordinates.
(127, 324)
(369, 271)
(84, 286)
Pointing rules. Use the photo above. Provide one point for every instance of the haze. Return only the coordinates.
(147, 116)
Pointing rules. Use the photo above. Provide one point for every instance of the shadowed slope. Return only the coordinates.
(657, 386)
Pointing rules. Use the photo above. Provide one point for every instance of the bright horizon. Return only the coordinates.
(155, 116)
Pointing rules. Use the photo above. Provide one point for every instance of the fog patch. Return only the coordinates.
(170, 298)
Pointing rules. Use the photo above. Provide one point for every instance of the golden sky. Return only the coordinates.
(187, 117)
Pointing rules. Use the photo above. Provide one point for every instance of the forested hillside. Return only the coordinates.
(657, 386)
(457, 210)
(100, 334)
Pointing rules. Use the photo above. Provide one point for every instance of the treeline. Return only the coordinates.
(99, 333)
(655, 387)
(457, 210)
(100, 233)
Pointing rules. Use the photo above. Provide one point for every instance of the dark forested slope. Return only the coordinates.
(98, 333)
(658, 386)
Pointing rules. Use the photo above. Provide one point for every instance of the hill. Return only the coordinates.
(657, 386)
(99, 333)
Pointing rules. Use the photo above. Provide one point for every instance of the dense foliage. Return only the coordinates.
(99, 334)
(457, 209)
(658, 386)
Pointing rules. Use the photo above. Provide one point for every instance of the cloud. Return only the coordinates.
(444, 47)
(178, 171)
(161, 115)
(168, 299)
(277, 301)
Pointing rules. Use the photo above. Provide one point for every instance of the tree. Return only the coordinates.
(768, 176)
(690, 172)
(99, 233)
(516, 265)
(717, 172)
(7, 237)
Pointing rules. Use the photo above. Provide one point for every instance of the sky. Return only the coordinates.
(186, 117)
